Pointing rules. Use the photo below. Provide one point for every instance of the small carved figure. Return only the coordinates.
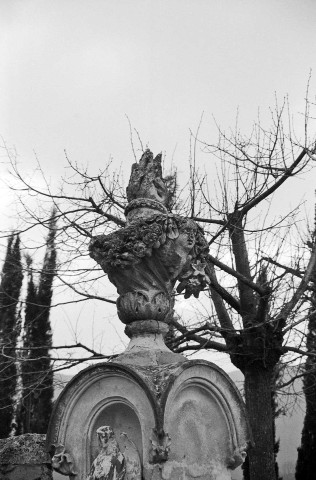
(111, 464)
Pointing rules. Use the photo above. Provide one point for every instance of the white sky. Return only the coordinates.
(72, 69)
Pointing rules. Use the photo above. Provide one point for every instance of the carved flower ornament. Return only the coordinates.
(127, 247)
(193, 280)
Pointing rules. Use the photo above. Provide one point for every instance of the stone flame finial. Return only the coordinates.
(147, 192)
(146, 179)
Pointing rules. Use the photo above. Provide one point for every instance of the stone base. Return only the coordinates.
(185, 420)
(24, 457)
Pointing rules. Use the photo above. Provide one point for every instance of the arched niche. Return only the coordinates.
(205, 419)
(199, 426)
(121, 416)
(106, 394)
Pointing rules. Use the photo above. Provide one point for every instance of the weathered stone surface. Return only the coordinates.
(208, 424)
(155, 249)
(24, 457)
(111, 463)
(146, 180)
(25, 472)
(147, 347)
(186, 420)
(24, 449)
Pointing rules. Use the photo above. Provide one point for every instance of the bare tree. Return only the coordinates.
(257, 310)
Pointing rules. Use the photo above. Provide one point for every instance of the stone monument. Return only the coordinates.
(152, 414)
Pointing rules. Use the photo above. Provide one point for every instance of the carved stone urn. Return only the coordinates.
(146, 258)
(152, 414)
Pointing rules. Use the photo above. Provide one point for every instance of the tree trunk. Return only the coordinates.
(258, 402)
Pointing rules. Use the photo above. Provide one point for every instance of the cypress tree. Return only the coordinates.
(29, 367)
(10, 287)
(37, 374)
(306, 460)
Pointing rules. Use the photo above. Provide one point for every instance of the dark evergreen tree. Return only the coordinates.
(37, 374)
(10, 287)
(306, 461)
(29, 368)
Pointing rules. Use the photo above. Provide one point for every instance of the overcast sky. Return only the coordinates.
(72, 69)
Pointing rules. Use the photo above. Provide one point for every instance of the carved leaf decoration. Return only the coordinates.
(160, 447)
(193, 280)
(132, 243)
